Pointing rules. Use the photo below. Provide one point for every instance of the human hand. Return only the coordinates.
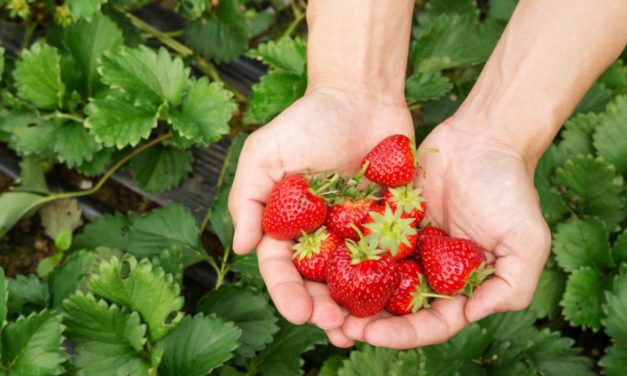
(478, 187)
(329, 129)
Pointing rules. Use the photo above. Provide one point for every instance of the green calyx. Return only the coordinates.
(422, 294)
(476, 277)
(361, 250)
(323, 184)
(407, 198)
(309, 245)
(390, 230)
(345, 189)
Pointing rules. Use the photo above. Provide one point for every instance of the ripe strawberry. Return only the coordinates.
(312, 252)
(453, 265)
(361, 278)
(392, 162)
(292, 207)
(348, 212)
(389, 230)
(409, 199)
(422, 235)
(412, 292)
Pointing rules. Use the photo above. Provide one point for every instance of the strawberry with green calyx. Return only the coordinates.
(412, 292)
(422, 235)
(409, 199)
(295, 205)
(312, 252)
(361, 278)
(390, 230)
(392, 162)
(453, 266)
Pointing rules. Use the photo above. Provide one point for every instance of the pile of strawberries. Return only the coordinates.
(364, 240)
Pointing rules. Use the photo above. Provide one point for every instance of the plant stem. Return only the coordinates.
(299, 15)
(210, 70)
(224, 267)
(205, 222)
(28, 33)
(63, 115)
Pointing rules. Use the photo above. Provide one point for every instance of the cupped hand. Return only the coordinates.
(330, 129)
(479, 187)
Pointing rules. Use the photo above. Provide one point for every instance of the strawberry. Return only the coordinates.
(390, 230)
(293, 206)
(422, 235)
(452, 265)
(412, 292)
(312, 252)
(348, 212)
(392, 162)
(409, 199)
(361, 278)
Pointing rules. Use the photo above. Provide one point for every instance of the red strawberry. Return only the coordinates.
(422, 235)
(390, 230)
(313, 252)
(453, 265)
(412, 291)
(361, 278)
(293, 207)
(348, 212)
(409, 199)
(392, 162)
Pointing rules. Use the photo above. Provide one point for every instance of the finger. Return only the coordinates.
(354, 327)
(429, 326)
(251, 186)
(327, 314)
(339, 339)
(285, 285)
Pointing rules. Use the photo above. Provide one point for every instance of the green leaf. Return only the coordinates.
(595, 100)
(161, 168)
(247, 269)
(249, 310)
(84, 8)
(602, 199)
(427, 86)
(171, 261)
(435, 8)
(614, 362)
(273, 94)
(451, 41)
(331, 366)
(27, 292)
(198, 345)
(551, 355)
(615, 77)
(38, 76)
(74, 144)
(223, 36)
(32, 136)
(548, 294)
(106, 337)
(32, 176)
(577, 134)
(4, 294)
(553, 207)
(142, 288)
(502, 9)
(71, 276)
(582, 242)
(583, 298)
(283, 355)
(32, 345)
(98, 164)
(375, 361)
(191, 8)
(16, 205)
(106, 231)
(87, 41)
(611, 134)
(615, 308)
(205, 112)
(116, 121)
(1, 62)
(143, 73)
(169, 227)
(619, 250)
(61, 217)
(221, 220)
(286, 54)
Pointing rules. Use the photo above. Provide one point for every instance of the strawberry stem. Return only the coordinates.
(438, 296)
(326, 185)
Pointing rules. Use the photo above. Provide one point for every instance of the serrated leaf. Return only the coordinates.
(32, 175)
(142, 288)
(274, 93)
(615, 77)
(4, 294)
(98, 164)
(191, 8)
(451, 41)
(84, 8)
(548, 294)
(582, 242)
(161, 168)
(171, 261)
(198, 345)
(577, 134)
(106, 231)
(61, 216)
(614, 308)
(331, 366)
(502, 9)
(30, 134)
(74, 144)
(143, 73)
(32, 345)
(595, 100)
(602, 198)
(553, 207)
(283, 355)
(370, 361)
(205, 112)
(583, 298)
(247, 269)
(223, 36)
(435, 8)
(87, 41)
(116, 121)
(286, 54)
(38, 76)
(71, 276)
(619, 249)
(610, 136)
(1, 62)
(249, 310)
(108, 339)
(27, 291)
(614, 362)
(427, 86)
(16, 205)
(169, 227)
(551, 355)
